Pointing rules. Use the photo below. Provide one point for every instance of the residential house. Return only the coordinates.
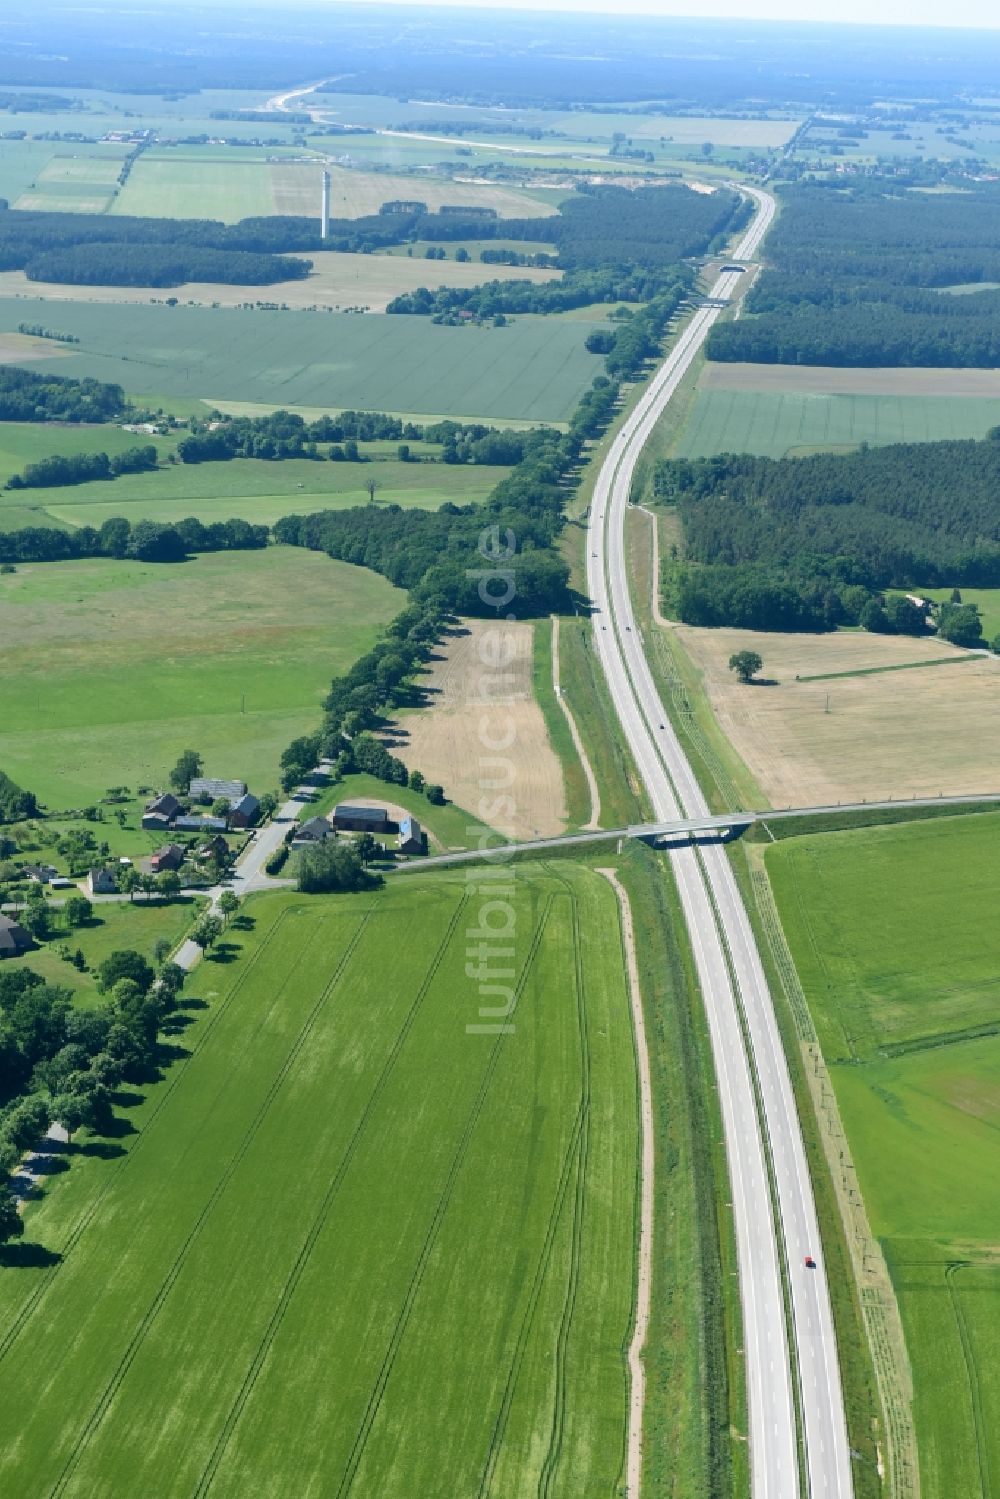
(170, 856)
(351, 819)
(313, 830)
(42, 874)
(211, 788)
(101, 882)
(243, 811)
(13, 938)
(216, 848)
(411, 836)
(199, 824)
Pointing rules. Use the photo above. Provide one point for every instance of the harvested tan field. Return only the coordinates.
(337, 281)
(914, 732)
(818, 380)
(483, 736)
(18, 348)
(353, 194)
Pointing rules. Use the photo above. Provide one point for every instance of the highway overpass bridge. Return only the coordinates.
(714, 827)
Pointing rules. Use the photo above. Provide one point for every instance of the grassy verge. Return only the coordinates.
(622, 798)
(695, 1422)
(577, 791)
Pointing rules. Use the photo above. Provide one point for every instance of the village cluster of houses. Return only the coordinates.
(347, 818)
(169, 812)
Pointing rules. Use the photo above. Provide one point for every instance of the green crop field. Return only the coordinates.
(110, 669)
(229, 184)
(892, 937)
(350, 1247)
(533, 369)
(75, 180)
(186, 186)
(775, 424)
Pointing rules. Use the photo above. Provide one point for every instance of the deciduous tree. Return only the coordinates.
(746, 664)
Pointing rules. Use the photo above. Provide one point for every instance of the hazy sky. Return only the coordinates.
(984, 13)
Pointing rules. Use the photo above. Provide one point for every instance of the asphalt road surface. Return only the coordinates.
(785, 1356)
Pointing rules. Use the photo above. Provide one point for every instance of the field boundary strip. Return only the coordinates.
(138, 1337)
(11, 1334)
(871, 671)
(430, 1239)
(319, 1221)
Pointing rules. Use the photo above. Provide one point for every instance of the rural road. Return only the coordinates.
(787, 1358)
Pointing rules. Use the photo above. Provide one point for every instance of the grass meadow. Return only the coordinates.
(780, 424)
(533, 369)
(111, 668)
(137, 924)
(987, 601)
(355, 1248)
(254, 489)
(898, 956)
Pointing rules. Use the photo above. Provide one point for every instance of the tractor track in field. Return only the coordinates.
(554, 1450)
(11, 1334)
(979, 1420)
(434, 1228)
(288, 1290)
(569, 1172)
(138, 1337)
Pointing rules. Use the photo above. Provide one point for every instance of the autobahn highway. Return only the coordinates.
(789, 1346)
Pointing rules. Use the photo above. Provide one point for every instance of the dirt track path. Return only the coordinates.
(595, 795)
(637, 1371)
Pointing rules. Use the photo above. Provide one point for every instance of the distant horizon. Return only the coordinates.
(914, 15)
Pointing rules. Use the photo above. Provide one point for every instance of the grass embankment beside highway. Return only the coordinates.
(575, 782)
(623, 799)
